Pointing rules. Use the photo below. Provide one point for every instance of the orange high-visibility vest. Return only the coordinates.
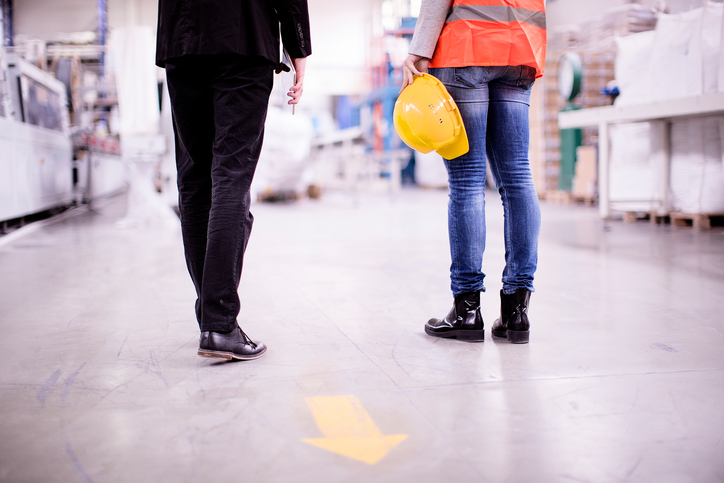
(493, 32)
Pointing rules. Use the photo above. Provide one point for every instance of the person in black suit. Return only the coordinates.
(220, 57)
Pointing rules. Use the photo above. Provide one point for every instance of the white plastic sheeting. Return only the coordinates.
(133, 53)
(631, 167)
(145, 207)
(283, 166)
(697, 178)
(710, 38)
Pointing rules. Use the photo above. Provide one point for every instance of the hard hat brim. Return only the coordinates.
(456, 149)
(460, 146)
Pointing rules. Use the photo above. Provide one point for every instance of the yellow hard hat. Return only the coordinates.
(427, 119)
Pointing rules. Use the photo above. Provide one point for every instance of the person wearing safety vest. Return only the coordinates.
(487, 53)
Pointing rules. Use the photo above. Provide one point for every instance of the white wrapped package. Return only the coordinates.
(633, 68)
(631, 172)
(710, 38)
(676, 61)
(697, 181)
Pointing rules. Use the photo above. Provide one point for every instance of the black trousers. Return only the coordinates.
(219, 105)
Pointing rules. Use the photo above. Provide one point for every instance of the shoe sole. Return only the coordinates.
(514, 336)
(230, 355)
(466, 335)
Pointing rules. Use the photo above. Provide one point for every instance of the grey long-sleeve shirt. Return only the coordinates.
(429, 25)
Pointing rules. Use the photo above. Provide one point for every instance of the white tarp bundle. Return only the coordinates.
(683, 57)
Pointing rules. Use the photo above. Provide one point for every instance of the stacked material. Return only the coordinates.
(617, 22)
(594, 42)
(683, 57)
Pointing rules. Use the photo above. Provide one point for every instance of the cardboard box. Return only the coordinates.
(584, 180)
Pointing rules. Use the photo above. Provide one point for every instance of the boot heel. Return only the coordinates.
(471, 335)
(518, 336)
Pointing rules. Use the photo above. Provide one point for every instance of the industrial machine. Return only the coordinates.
(36, 152)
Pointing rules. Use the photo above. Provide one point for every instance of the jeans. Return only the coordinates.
(219, 105)
(494, 104)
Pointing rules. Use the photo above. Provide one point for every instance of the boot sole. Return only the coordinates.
(514, 336)
(466, 335)
(229, 355)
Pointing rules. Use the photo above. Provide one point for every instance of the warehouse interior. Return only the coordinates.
(623, 377)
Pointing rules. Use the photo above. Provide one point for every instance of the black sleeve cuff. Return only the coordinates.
(294, 20)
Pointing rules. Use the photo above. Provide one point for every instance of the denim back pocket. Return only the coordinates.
(476, 77)
(469, 77)
(527, 76)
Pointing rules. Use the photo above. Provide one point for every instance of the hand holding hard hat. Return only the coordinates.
(427, 119)
(414, 65)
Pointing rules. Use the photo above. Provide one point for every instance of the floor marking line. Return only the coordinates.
(47, 387)
(77, 463)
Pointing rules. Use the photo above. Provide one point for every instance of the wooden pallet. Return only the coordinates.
(699, 221)
(585, 200)
(652, 216)
(634, 216)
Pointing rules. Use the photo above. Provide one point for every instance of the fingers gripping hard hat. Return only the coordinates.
(427, 119)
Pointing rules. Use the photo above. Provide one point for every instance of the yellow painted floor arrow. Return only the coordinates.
(348, 429)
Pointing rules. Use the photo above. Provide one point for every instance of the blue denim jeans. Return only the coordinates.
(494, 103)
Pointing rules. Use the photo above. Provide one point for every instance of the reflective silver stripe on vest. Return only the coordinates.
(495, 13)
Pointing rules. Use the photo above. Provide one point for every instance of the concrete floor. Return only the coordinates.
(623, 379)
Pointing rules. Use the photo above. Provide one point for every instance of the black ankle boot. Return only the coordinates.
(463, 322)
(513, 323)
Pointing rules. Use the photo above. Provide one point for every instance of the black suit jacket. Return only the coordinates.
(247, 27)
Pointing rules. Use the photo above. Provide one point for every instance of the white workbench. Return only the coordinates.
(660, 115)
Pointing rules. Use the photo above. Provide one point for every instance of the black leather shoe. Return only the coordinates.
(463, 322)
(230, 345)
(513, 323)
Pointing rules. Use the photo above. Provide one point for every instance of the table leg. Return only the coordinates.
(604, 208)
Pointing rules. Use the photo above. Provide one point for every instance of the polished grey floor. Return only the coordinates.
(623, 379)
